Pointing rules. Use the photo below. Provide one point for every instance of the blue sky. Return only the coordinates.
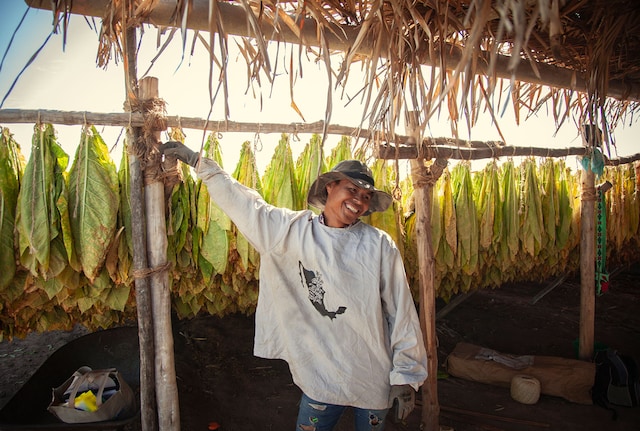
(69, 79)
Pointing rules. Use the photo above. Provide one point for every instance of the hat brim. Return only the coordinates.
(317, 196)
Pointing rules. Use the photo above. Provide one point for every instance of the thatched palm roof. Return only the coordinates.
(580, 56)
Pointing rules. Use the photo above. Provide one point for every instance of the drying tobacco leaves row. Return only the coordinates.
(66, 246)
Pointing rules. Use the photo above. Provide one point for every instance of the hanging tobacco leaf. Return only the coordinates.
(11, 167)
(387, 220)
(214, 224)
(37, 215)
(94, 201)
(279, 177)
(309, 165)
(340, 152)
(246, 173)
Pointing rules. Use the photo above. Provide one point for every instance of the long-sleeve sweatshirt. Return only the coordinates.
(334, 303)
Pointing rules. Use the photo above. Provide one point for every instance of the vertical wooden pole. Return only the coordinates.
(165, 374)
(587, 264)
(423, 197)
(148, 417)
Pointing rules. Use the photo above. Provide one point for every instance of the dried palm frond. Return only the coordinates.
(429, 56)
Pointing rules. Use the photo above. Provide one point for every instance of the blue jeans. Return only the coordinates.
(317, 416)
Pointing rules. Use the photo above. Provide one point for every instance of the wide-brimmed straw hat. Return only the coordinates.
(356, 172)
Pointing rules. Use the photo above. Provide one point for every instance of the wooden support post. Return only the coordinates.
(148, 418)
(587, 264)
(165, 373)
(423, 197)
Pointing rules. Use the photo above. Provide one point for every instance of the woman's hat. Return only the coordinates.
(356, 172)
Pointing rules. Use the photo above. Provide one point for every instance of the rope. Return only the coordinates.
(146, 272)
(428, 176)
(423, 176)
(589, 194)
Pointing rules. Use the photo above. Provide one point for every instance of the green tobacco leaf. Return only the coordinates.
(510, 243)
(11, 167)
(565, 209)
(116, 298)
(531, 218)
(309, 165)
(62, 206)
(37, 217)
(279, 177)
(340, 152)
(386, 220)
(466, 218)
(124, 211)
(94, 201)
(246, 173)
(214, 224)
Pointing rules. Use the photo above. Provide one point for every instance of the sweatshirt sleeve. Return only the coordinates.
(261, 223)
(409, 356)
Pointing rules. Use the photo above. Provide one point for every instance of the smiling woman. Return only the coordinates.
(346, 202)
(346, 193)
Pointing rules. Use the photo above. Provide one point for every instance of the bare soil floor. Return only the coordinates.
(219, 379)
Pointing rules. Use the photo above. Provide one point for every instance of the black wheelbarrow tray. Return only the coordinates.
(111, 348)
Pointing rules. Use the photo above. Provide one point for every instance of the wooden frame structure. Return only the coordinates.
(440, 149)
(238, 20)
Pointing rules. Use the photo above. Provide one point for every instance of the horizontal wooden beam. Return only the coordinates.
(123, 119)
(392, 147)
(390, 152)
(341, 38)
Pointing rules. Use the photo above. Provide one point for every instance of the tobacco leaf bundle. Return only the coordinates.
(279, 181)
(309, 166)
(214, 224)
(94, 201)
(11, 167)
(42, 210)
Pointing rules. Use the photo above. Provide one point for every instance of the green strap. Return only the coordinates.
(602, 276)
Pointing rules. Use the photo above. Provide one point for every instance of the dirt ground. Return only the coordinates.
(219, 379)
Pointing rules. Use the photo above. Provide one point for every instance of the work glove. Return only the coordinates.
(180, 152)
(403, 400)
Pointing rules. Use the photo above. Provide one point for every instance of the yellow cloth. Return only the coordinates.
(86, 401)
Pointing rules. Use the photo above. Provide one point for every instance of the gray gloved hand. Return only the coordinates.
(179, 151)
(403, 400)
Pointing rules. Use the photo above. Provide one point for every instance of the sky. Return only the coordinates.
(66, 77)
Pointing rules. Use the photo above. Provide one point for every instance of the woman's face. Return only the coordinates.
(346, 202)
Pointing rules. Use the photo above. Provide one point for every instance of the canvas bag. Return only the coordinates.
(119, 404)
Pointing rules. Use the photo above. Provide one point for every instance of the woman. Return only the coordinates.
(334, 301)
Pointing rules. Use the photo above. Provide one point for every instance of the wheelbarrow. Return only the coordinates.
(111, 348)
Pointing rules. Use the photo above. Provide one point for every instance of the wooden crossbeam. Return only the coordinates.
(392, 147)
